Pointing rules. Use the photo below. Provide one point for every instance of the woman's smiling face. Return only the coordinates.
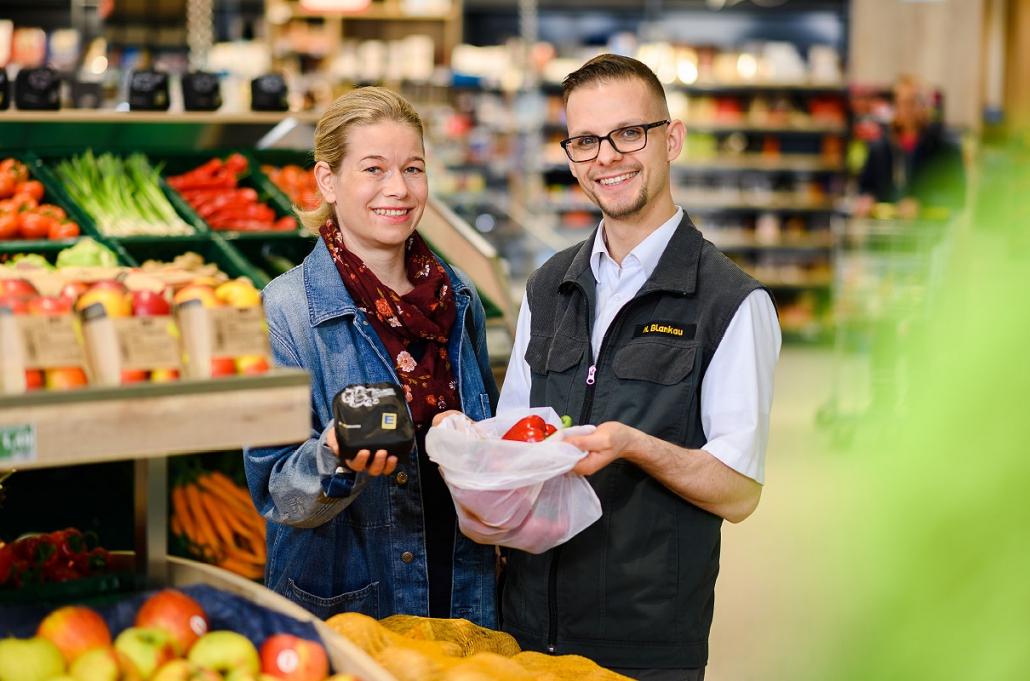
(381, 188)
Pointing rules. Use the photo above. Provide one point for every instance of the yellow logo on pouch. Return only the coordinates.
(389, 421)
(662, 328)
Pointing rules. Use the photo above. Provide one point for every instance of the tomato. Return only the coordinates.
(33, 188)
(63, 230)
(19, 170)
(8, 225)
(51, 210)
(25, 199)
(7, 184)
(35, 226)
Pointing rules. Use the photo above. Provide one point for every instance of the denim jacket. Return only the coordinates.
(346, 542)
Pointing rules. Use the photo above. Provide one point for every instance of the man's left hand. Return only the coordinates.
(611, 440)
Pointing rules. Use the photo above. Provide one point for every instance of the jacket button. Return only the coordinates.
(407, 557)
(402, 478)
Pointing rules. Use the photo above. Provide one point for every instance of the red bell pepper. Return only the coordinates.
(529, 429)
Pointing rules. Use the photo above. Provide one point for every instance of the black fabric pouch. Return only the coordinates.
(373, 416)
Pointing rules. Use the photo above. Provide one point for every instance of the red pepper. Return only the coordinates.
(529, 429)
(551, 430)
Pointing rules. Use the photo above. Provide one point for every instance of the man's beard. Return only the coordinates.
(618, 213)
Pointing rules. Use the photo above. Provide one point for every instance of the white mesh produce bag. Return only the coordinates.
(523, 495)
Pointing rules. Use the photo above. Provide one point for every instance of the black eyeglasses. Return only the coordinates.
(623, 140)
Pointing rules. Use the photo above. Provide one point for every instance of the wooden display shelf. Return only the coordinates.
(90, 425)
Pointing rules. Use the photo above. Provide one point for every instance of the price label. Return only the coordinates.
(18, 442)
(237, 332)
(51, 342)
(148, 342)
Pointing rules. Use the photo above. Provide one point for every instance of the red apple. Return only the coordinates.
(111, 294)
(164, 375)
(34, 379)
(65, 378)
(147, 648)
(49, 306)
(73, 289)
(205, 293)
(19, 287)
(290, 657)
(104, 664)
(146, 303)
(223, 366)
(251, 364)
(134, 376)
(18, 303)
(74, 629)
(176, 613)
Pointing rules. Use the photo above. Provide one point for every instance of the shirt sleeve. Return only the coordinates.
(515, 391)
(737, 390)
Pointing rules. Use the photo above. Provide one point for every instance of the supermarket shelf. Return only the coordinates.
(155, 419)
(193, 117)
(809, 243)
(809, 127)
(780, 162)
(756, 87)
(718, 200)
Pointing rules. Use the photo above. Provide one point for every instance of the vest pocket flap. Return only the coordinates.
(559, 353)
(655, 361)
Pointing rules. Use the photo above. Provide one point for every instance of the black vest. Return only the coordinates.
(636, 588)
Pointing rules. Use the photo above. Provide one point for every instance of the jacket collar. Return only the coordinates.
(328, 298)
(676, 271)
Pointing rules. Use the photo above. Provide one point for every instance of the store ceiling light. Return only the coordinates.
(335, 6)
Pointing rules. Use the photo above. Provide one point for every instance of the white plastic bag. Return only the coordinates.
(518, 494)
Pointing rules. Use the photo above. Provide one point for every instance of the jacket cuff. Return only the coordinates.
(338, 482)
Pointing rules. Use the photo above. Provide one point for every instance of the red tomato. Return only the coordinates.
(24, 199)
(19, 170)
(33, 188)
(8, 225)
(35, 226)
(52, 210)
(7, 184)
(63, 230)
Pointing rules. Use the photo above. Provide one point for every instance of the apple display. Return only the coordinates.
(290, 657)
(74, 629)
(104, 664)
(16, 303)
(164, 375)
(34, 379)
(239, 293)
(134, 376)
(29, 659)
(147, 303)
(225, 651)
(176, 613)
(251, 364)
(183, 670)
(49, 306)
(71, 290)
(111, 294)
(148, 648)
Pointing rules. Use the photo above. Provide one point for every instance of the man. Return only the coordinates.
(913, 164)
(649, 331)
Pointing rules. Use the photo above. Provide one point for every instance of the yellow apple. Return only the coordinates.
(238, 293)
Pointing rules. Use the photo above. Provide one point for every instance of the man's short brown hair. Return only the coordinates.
(606, 68)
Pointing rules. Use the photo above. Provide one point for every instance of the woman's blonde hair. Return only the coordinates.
(362, 106)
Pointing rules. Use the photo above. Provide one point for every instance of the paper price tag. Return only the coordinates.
(237, 332)
(18, 442)
(51, 342)
(146, 343)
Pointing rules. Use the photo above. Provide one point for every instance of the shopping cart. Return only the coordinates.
(886, 277)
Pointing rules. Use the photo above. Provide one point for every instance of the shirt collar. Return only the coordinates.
(647, 253)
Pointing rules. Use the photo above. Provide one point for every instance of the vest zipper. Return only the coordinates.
(552, 603)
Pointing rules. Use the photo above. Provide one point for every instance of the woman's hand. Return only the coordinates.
(380, 464)
(444, 414)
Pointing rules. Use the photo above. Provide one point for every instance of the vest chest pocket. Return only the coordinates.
(655, 361)
(558, 353)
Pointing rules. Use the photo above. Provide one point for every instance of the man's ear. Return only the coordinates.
(324, 180)
(675, 138)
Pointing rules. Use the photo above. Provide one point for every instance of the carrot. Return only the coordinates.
(181, 510)
(248, 570)
(231, 487)
(205, 530)
(176, 525)
(227, 492)
(217, 517)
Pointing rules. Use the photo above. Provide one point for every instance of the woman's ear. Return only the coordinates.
(324, 179)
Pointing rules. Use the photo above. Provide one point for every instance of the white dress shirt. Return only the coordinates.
(737, 390)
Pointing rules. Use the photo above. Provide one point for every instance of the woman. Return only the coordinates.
(371, 303)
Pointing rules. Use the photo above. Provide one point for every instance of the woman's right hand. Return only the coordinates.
(379, 464)
(444, 414)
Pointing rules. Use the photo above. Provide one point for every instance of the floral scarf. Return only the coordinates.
(422, 317)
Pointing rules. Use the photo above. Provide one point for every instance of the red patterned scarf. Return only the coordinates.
(422, 317)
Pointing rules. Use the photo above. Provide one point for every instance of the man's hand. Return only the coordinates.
(611, 440)
(379, 464)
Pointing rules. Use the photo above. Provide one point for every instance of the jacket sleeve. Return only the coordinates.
(480, 347)
(300, 485)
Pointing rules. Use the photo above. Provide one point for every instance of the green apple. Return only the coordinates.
(147, 647)
(104, 664)
(225, 651)
(29, 659)
(182, 669)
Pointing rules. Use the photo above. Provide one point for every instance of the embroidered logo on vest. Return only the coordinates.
(662, 328)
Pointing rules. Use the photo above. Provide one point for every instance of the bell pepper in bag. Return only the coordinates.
(529, 429)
